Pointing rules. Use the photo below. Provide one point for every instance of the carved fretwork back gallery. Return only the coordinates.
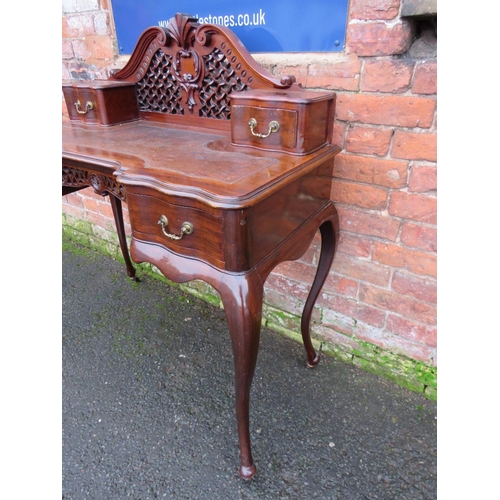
(190, 69)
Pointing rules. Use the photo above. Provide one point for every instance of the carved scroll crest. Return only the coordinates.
(204, 62)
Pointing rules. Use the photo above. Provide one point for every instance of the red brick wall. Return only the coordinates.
(382, 287)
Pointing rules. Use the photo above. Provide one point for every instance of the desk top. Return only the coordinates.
(188, 114)
(187, 162)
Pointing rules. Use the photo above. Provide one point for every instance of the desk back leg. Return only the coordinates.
(329, 239)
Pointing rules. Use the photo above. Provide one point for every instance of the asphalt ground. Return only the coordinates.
(148, 409)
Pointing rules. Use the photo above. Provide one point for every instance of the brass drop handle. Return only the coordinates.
(274, 126)
(186, 228)
(89, 106)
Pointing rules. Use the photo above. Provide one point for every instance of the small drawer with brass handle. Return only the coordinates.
(292, 121)
(186, 230)
(101, 102)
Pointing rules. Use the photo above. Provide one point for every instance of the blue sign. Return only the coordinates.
(262, 26)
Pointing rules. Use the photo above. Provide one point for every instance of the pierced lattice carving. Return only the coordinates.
(158, 90)
(102, 184)
(74, 177)
(190, 69)
(220, 80)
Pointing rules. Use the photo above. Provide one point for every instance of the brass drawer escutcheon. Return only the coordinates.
(186, 228)
(274, 126)
(89, 106)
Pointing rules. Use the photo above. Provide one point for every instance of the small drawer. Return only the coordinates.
(291, 121)
(266, 128)
(101, 102)
(81, 105)
(186, 230)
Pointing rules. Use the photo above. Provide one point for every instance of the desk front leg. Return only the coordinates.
(242, 296)
(116, 205)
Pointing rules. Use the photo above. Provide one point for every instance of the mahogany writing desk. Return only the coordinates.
(226, 172)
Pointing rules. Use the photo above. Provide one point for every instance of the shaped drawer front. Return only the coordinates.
(186, 230)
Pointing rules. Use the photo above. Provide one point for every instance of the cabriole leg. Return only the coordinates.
(242, 298)
(329, 238)
(116, 205)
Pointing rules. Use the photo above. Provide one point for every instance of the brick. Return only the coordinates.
(361, 195)
(67, 50)
(81, 50)
(414, 146)
(91, 205)
(378, 38)
(387, 173)
(341, 285)
(412, 331)
(343, 75)
(66, 75)
(333, 337)
(425, 78)
(368, 223)
(355, 245)
(405, 306)
(78, 26)
(105, 208)
(363, 270)
(296, 271)
(424, 289)
(387, 76)
(73, 211)
(417, 207)
(351, 308)
(74, 199)
(286, 286)
(419, 8)
(339, 133)
(101, 221)
(339, 322)
(79, 5)
(418, 236)
(395, 343)
(368, 140)
(405, 258)
(100, 47)
(423, 178)
(101, 23)
(311, 256)
(374, 9)
(299, 71)
(91, 194)
(81, 71)
(390, 110)
(284, 301)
